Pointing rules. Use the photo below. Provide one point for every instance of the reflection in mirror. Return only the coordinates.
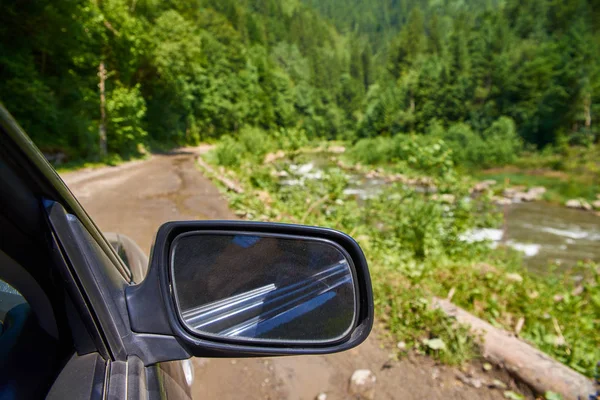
(263, 287)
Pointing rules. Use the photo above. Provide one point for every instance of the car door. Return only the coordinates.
(90, 280)
(103, 285)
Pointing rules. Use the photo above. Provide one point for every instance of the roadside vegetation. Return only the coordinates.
(413, 244)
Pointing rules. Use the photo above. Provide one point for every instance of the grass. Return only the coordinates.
(74, 165)
(412, 243)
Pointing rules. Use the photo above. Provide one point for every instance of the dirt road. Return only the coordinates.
(137, 197)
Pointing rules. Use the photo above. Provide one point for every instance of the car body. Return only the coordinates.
(86, 315)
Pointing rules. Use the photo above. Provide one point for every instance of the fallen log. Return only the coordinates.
(538, 370)
(228, 183)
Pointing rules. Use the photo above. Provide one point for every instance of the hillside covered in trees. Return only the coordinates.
(484, 73)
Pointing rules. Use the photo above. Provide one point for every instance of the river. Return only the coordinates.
(551, 234)
(546, 234)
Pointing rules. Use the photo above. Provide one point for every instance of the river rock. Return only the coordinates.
(337, 149)
(446, 198)
(501, 201)
(578, 204)
(362, 384)
(523, 196)
(498, 384)
(483, 185)
(511, 191)
(596, 204)
(471, 381)
(264, 197)
(514, 277)
(372, 174)
(537, 191)
(269, 158)
(397, 178)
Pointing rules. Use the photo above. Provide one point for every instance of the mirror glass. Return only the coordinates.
(263, 286)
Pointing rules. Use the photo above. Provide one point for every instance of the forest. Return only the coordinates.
(91, 79)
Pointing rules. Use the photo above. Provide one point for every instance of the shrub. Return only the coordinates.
(503, 144)
(255, 142)
(422, 153)
(229, 151)
(497, 145)
(373, 151)
(125, 108)
(290, 138)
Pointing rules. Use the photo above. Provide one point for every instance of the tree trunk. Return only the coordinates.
(587, 110)
(530, 365)
(102, 127)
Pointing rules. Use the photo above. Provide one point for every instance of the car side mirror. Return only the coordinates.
(234, 288)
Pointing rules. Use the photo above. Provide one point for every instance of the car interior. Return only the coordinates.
(35, 337)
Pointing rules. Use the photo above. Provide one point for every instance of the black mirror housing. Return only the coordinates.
(153, 304)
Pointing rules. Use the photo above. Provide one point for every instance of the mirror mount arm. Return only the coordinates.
(146, 306)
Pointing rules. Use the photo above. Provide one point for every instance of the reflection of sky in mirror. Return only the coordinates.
(250, 286)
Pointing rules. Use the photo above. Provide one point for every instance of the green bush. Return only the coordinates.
(502, 142)
(290, 138)
(422, 153)
(372, 151)
(497, 145)
(255, 141)
(419, 152)
(125, 109)
(229, 151)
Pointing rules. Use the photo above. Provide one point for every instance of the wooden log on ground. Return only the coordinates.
(530, 365)
(229, 184)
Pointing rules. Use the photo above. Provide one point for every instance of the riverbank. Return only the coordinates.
(560, 186)
(568, 173)
(412, 241)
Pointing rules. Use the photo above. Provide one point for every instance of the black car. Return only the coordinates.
(79, 322)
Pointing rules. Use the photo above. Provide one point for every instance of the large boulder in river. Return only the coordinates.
(523, 196)
(578, 204)
(537, 191)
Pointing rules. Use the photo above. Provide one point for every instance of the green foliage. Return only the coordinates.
(290, 139)
(126, 110)
(422, 153)
(545, 303)
(412, 242)
(324, 69)
(202, 69)
(410, 317)
(229, 151)
(255, 142)
(497, 145)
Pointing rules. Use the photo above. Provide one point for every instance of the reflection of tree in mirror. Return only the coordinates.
(263, 287)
